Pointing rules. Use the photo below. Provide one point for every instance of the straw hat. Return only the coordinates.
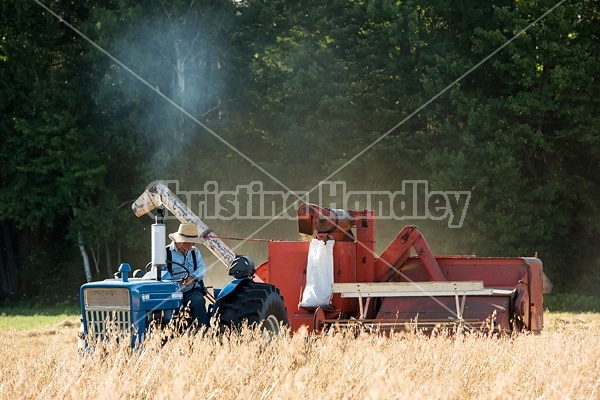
(187, 233)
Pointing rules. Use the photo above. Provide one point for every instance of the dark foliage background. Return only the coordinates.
(300, 88)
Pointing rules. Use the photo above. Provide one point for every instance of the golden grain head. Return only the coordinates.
(560, 363)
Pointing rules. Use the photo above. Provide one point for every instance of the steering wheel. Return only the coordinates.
(187, 271)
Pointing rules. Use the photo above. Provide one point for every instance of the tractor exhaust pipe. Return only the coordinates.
(159, 255)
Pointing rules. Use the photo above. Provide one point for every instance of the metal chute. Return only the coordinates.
(158, 194)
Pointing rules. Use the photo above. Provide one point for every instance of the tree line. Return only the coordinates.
(289, 92)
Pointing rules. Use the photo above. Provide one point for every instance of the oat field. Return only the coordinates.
(561, 363)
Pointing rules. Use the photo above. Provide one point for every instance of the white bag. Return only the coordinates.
(319, 274)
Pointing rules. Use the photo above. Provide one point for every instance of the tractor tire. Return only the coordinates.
(258, 304)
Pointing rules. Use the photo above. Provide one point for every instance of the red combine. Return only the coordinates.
(396, 288)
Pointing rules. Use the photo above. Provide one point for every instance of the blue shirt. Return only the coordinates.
(199, 272)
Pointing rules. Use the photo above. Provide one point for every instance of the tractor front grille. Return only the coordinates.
(107, 313)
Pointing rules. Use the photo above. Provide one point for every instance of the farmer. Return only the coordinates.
(182, 251)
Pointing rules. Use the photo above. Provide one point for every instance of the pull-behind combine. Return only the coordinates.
(381, 292)
(394, 289)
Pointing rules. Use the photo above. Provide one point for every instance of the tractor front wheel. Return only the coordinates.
(257, 304)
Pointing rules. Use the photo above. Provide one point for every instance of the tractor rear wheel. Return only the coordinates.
(257, 304)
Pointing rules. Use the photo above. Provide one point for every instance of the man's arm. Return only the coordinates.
(200, 271)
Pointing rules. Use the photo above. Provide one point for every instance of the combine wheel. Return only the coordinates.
(258, 304)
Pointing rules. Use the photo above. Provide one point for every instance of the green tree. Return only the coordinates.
(55, 159)
(520, 132)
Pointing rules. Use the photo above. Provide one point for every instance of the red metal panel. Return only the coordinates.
(494, 272)
(287, 271)
(365, 246)
(344, 264)
(299, 319)
(262, 273)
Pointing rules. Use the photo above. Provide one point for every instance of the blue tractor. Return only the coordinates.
(130, 306)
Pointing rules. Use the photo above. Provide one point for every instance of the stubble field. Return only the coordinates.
(561, 363)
